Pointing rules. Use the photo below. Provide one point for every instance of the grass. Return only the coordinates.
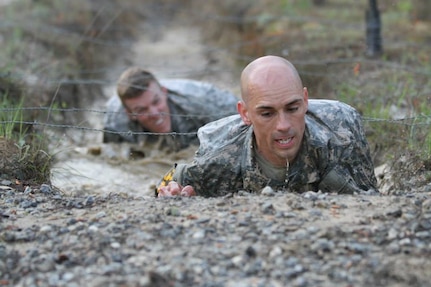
(24, 155)
(11, 119)
(393, 86)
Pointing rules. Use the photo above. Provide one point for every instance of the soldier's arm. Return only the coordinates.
(353, 170)
(206, 179)
(362, 163)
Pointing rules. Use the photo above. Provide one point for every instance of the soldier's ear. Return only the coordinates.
(164, 90)
(306, 97)
(242, 110)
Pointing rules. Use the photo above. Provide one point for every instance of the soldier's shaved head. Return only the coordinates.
(274, 102)
(264, 71)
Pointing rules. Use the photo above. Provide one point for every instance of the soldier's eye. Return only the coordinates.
(266, 114)
(138, 112)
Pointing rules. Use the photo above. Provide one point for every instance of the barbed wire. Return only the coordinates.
(190, 115)
(104, 112)
(403, 121)
(82, 128)
(420, 120)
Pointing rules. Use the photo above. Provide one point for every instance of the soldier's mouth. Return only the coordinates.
(160, 121)
(284, 141)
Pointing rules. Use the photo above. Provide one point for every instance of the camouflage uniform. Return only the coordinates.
(192, 104)
(334, 156)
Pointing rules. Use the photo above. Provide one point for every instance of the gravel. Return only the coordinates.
(273, 239)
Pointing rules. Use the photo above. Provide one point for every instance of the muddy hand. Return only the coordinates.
(174, 189)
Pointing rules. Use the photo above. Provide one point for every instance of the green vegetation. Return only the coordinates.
(23, 152)
(11, 118)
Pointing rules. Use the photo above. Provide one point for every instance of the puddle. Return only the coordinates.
(112, 170)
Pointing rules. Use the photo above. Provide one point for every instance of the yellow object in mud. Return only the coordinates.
(168, 177)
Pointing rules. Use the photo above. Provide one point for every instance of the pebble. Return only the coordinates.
(268, 191)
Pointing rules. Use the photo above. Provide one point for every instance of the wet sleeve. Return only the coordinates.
(338, 180)
(362, 166)
(210, 179)
(352, 169)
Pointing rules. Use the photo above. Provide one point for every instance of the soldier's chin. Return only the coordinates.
(157, 129)
(163, 125)
(285, 155)
(163, 129)
(160, 131)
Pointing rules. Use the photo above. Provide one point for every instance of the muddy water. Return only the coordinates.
(108, 168)
(91, 167)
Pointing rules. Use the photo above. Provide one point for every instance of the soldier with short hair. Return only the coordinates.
(145, 108)
(279, 139)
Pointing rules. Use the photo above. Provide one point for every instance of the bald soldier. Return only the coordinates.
(279, 139)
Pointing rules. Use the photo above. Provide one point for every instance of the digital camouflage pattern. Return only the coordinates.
(334, 156)
(192, 104)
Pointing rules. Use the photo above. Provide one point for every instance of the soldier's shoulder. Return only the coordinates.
(185, 85)
(332, 110)
(225, 131)
(114, 104)
(331, 120)
(116, 118)
(324, 104)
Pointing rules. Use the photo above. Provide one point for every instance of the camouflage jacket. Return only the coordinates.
(334, 156)
(192, 104)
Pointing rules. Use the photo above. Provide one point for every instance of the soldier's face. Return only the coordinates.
(151, 109)
(277, 113)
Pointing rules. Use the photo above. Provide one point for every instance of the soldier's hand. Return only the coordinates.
(175, 189)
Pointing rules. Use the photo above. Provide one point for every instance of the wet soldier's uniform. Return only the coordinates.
(334, 156)
(192, 104)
